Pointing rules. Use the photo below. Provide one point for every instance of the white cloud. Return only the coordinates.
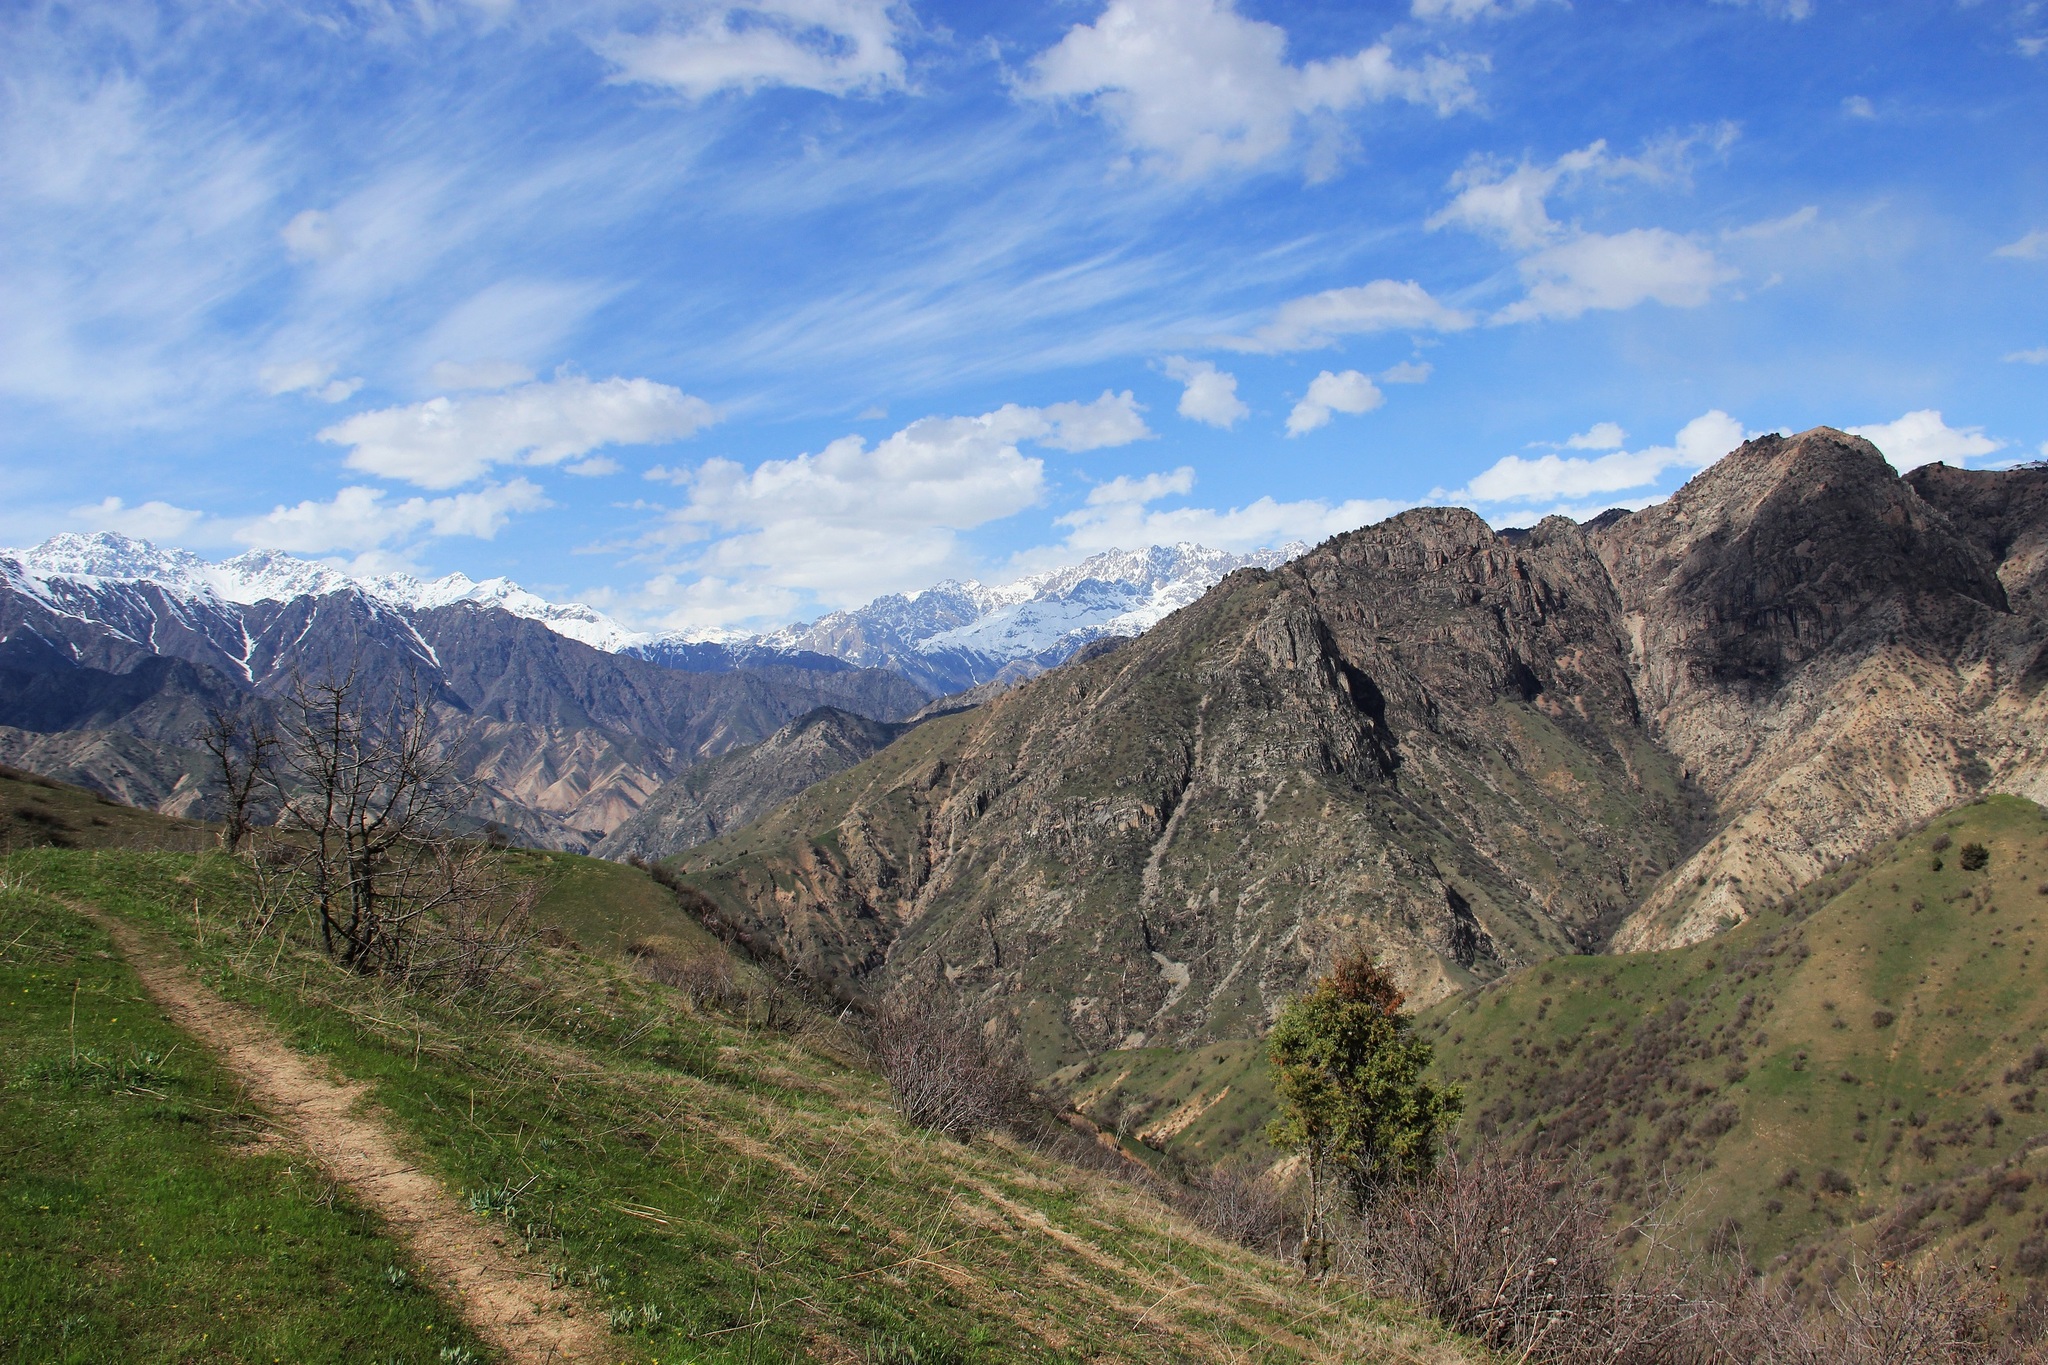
(1111, 420)
(1317, 320)
(1599, 271)
(1699, 443)
(1347, 391)
(2037, 355)
(1150, 488)
(1210, 395)
(311, 235)
(1198, 87)
(1775, 227)
(1465, 11)
(1407, 372)
(596, 466)
(145, 521)
(1510, 206)
(1569, 271)
(2032, 247)
(484, 374)
(1858, 106)
(308, 376)
(1922, 438)
(1600, 436)
(836, 47)
(852, 522)
(358, 518)
(1777, 9)
(443, 442)
(1118, 515)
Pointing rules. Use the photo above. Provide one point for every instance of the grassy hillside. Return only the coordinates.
(1864, 1062)
(718, 1190)
(37, 812)
(143, 1215)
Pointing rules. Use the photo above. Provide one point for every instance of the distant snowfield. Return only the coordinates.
(1042, 617)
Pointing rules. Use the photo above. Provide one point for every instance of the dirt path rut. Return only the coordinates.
(503, 1297)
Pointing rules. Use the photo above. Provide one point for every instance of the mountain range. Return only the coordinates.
(114, 649)
(1469, 750)
(112, 653)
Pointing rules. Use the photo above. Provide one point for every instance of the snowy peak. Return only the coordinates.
(958, 635)
(947, 638)
(255, 576)
(110, 557)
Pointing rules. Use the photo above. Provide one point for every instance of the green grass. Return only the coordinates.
(36, 812)
(1853, 1063)
(752, 1188)
(141, 1216)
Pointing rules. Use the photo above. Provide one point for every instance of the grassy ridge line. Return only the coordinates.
(757, 1196)
(144, 1214)
(1858, 1061)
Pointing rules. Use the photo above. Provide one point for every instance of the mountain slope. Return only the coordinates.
(728, 791)
(707, 1181)
(1866, 1060)
(1421, 732)
(1831, 655)
(1470, 751)
(956, 636)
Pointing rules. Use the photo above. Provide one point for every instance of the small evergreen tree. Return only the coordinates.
(1348, 1069)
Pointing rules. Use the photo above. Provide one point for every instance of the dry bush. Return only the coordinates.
(705, 979)
(1890, 1313)
(948, 1074)
(1243, 1203)
(1518, 1252)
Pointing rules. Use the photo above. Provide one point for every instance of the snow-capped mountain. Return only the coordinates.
(958, 635)
(89, 561)
(946, 638)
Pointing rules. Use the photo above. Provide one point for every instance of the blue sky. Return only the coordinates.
(717, 314)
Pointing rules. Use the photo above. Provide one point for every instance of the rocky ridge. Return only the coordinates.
(1470, 750)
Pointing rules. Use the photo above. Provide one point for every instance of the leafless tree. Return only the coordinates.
(371, 796)
(242, 745)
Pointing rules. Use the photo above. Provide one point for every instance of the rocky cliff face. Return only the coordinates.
(1467, 750)
(1421, 734)
(726, 792)
(1831, 654)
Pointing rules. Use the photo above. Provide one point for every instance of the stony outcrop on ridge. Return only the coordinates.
(1469, 750)
(1830, 650)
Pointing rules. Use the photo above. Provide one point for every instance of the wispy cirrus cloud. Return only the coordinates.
(834, 47)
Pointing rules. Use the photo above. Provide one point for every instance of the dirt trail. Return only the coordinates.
(503, 1297)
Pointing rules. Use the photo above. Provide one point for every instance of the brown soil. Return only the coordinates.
(502, 1295)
